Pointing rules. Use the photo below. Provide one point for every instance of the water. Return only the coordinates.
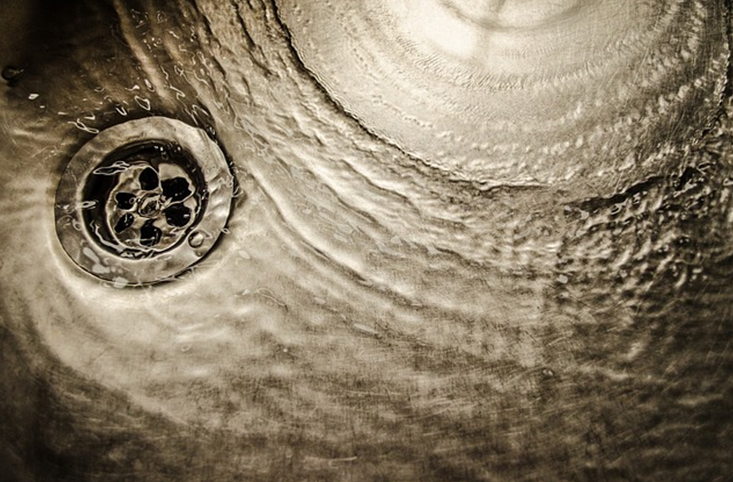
(364, 316)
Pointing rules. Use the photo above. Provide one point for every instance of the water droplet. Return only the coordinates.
(91, 255)
(81, 126)
(112, 169)
(11, 73)
(196, 239)
(143, 102)
(98, 268)
(120, 282)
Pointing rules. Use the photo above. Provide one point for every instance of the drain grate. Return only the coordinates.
(143, 201)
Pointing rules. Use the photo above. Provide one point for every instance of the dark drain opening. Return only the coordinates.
(143, 200)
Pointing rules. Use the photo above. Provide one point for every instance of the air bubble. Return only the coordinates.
(196, 239)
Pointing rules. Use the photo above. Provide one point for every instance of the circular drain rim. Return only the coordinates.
(85, 248)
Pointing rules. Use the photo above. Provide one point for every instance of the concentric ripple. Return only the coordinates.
(363, 317)
(518, 92)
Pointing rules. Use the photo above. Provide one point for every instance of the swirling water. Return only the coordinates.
(365, 316)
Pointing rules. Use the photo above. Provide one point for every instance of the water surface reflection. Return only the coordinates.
(364, 316)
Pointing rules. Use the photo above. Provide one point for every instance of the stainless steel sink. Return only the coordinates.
(391, 240)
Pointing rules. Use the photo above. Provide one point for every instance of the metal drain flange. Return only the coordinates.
(144, 200)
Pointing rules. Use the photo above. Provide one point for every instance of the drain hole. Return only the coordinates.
(125, 222)
(149, 234)
(146, 196)
(148, 179)
(145, 186)
(176, 189)
(125, 200)
(177, 215)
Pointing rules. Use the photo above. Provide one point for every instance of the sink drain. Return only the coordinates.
(143, 200)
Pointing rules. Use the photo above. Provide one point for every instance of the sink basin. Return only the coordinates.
(391, 240)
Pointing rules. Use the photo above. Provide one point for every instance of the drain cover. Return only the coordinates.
(143, 200)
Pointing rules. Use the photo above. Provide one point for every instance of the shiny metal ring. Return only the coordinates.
(143, 201)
